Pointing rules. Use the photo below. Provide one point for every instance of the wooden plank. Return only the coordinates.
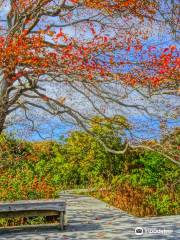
(29, 208)
(33, 201)
(32, 205)
(28, 213)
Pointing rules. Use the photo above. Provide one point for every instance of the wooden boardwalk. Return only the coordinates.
(89, 218)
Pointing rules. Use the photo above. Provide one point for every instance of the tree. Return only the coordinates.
(104, 59)
(85, 155)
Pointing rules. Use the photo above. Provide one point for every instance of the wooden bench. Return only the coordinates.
(32, 208)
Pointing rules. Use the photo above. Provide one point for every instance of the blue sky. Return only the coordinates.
(144, 128)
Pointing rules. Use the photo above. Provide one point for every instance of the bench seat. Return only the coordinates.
(30, 208)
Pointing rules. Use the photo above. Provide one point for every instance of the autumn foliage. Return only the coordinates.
(140, 182)
(26, 52)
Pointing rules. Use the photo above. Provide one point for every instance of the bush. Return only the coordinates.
(141, 182)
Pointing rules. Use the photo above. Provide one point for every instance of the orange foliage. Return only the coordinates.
(23, 54)
(136, 7)
(129, 199)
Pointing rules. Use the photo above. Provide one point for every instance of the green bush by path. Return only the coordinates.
(140, 182)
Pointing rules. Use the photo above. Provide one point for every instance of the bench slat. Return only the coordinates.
(32, 205)
(10, 208)
(28, 214)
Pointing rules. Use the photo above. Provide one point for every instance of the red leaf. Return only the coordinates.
(166, 49)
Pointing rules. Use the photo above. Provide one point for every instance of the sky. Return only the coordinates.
(144, 128)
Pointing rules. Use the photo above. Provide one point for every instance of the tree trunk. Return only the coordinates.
(2, 121)
(3, 103)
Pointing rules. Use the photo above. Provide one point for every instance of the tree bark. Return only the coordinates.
(2, 121)
(3, 103)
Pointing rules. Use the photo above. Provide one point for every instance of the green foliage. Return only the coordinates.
(163, 203)
(140, 180)
(153, 170)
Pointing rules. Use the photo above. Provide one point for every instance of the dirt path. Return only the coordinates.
(89, 218)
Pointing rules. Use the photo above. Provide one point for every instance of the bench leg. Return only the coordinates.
(61, 220)
(65, 219)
